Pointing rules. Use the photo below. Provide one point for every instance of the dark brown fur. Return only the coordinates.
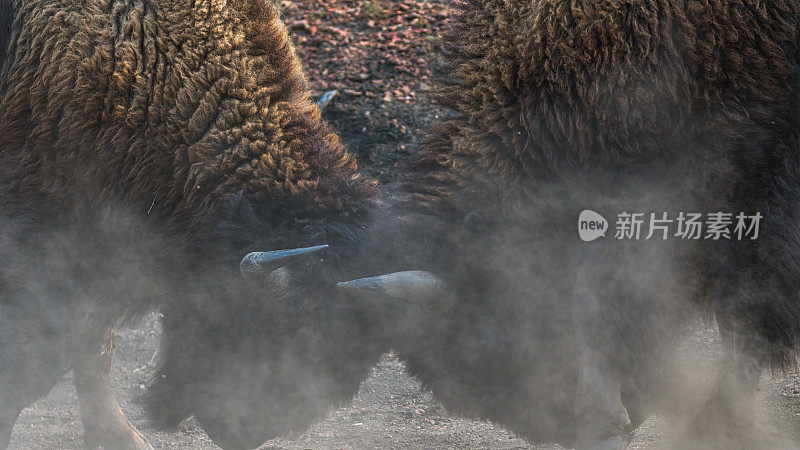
(135, 106)
(549, 88)
(147, 145)
(638, 106)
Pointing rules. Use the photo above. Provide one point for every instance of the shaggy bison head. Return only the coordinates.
(263, 344)
(269, 355)
(261, 358)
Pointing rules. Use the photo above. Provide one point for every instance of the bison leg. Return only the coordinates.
(104, 424)
(600, 417)
(727, 419)
(8, 416)
(32, 357)
(733, 401)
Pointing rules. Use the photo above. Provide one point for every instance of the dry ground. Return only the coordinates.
(391, 410)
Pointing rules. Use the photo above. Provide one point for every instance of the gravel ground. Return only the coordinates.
(391, 409)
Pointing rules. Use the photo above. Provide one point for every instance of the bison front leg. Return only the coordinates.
(8, 416)
(600, 417)
(728, 417)
(104, 424)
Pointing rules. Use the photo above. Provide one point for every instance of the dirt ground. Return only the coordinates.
(382, 56)
(391, 410)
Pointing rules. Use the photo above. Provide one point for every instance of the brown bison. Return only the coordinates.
(149, 145)
(149, 149)
(616, 106)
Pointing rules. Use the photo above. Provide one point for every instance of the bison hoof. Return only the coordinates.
(628, 438)
(604, 430)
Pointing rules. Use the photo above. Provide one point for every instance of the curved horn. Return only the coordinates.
(415, 285)
(326, 99)
(261, 263)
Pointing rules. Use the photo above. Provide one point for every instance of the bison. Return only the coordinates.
(151, 150)
(149, 146)
(652, 106)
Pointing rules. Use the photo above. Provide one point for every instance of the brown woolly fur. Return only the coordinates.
(146, 146)
(548, 87)
(174, 104)
(6, 20)
(551, 90)
(195, 115)
(615, 106)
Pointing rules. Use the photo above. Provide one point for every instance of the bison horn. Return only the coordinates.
(326, 99)
(258, 264)
(415, 285)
